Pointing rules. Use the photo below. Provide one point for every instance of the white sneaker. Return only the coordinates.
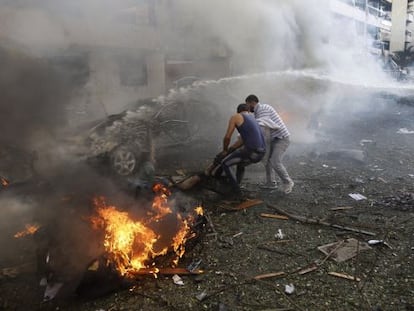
(287, 187)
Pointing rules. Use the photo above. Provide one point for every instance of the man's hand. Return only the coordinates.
(219, 157)
(230, 150)
(226, 152)
(223, 153)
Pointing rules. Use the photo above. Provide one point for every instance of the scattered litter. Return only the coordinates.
(401, 200)
(383, 180)
(375, 242)
(377, 169)
(359, 180)
(308, 220)
(345, 276)
(177, 280)
(194, 265)
(343, 250)
(247, 204)
(404, 130)
(201, 296)
(379, 242)
(357, 196)
(341, 208)
(275, 216)
(279, 235)
(237, 234)
(51, 291)
(269, 275)
(289, 289)
(308, 269)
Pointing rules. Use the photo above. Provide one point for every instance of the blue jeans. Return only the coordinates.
(241, 157)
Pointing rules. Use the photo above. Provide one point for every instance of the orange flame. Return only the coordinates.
(160, 204)
(184, 234)
(131, 244)
(179, 240)
(199, 210)
(30, 229)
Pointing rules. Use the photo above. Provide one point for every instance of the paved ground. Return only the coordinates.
(239, 245)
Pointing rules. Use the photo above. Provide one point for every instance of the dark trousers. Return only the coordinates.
(241, 157)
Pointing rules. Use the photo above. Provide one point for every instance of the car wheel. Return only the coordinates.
(123, 161)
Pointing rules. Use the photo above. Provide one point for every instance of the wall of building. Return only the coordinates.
(398, 29)
(393, 28)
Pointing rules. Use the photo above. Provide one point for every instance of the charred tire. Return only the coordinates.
(124, 161)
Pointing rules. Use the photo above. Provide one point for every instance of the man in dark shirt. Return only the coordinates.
(247, 149)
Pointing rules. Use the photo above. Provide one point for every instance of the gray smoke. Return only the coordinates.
(260, 36)
(33, 97)
(59, 59)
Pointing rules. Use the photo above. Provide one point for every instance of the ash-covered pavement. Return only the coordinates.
(241, 245)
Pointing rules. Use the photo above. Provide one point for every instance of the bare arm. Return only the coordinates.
(230, 129)
(238, 143)
(236, 119)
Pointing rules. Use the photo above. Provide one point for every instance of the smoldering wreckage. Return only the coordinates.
(127, 236)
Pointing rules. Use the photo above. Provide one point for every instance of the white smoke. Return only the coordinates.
(259, 37)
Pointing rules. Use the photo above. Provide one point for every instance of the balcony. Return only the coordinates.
(410, 7)
(376, 17)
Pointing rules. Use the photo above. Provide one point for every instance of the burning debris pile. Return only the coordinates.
(132, 244)
(146, 239)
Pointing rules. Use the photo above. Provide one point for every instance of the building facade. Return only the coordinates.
(385, 25)
(120, 51)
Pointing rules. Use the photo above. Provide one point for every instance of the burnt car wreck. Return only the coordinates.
(122, 142)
